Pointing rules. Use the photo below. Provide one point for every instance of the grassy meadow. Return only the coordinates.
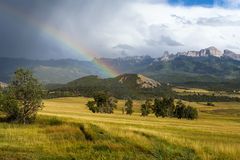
(66, 129)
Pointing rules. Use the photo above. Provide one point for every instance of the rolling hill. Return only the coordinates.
(122, 86)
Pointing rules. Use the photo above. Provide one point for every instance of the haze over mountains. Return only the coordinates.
(206, 65)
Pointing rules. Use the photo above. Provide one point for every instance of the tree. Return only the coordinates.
(102, 103)
(163, 107)
(23, 97)
(92, 106)
(146, 107)
(180, 110)
(191, 113)
(9, 106)
(129, 106)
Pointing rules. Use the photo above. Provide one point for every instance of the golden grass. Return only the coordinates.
(215, 135)
(191, 90)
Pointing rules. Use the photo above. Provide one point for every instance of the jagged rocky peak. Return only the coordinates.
(230, 54)
(210, 51)
(166, 56)
(138, 79)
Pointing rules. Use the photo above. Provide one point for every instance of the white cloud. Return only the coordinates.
(140, 24)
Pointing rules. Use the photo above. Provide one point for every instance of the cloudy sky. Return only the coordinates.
(43, 29)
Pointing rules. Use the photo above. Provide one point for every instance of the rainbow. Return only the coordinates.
(62, 38)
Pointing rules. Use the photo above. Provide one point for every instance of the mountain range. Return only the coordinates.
(192, 68)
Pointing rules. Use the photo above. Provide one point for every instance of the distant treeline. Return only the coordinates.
(144, 94)
(207, 98)
(118, 92)
(230, 85)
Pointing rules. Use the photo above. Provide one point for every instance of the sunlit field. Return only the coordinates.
(66, 129)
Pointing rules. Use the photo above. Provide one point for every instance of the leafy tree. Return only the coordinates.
(191, 113)
(163, 107)
(180, 110)
(158, 108)
(169, 103)
(102, 103)
(129, 106)
(9, 106)
(92, 106)
(23, 97)
(146, 107)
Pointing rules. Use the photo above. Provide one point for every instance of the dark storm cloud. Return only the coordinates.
(151, 26)
(20, 38)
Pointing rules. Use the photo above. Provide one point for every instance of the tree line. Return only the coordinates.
(160, 107)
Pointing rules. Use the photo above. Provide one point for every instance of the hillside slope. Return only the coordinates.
(123, 86)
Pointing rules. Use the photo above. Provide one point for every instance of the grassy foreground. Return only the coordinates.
(65, 129)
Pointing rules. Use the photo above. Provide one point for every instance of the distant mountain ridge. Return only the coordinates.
(205, 65)
(49, 71)
(210, 51)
